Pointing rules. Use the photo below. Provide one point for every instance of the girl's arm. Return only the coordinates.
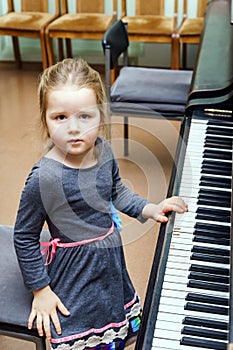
(29, 223)
(158, 212)
(134, 205)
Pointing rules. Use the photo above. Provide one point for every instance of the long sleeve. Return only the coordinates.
(29, 223)
(124, 199)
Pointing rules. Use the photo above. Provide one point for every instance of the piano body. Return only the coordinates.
(189, 299)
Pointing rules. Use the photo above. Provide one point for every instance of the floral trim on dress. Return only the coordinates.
(107, 338)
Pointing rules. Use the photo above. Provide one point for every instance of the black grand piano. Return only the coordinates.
(189, 299)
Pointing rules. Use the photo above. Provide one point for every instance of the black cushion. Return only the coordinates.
(160, 90)
(15, 299)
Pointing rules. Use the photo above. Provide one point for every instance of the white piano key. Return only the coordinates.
(181, 244)
(173, 310)
(163, 334)
(172, 344)
(181, 294)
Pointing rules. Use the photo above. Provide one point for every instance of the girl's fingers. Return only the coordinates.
(39, 325)
(56, 322)
(31, 319)
(61, 307)
(46, 325)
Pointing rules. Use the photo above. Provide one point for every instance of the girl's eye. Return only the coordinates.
(84, 116)
(61, 117)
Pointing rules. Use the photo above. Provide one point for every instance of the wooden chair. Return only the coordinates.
(31, 22)
(190, 29)
(139, 91)
(150, 24)
(89, 22)
(15, 298)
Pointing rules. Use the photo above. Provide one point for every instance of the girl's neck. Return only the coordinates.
(82, 161)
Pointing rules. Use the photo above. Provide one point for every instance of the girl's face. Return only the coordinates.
(73, 120)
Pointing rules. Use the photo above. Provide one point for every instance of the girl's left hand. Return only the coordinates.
(158, 212)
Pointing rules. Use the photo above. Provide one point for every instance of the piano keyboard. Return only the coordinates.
(194, 303)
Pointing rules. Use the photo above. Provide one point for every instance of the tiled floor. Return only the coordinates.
(146, 170)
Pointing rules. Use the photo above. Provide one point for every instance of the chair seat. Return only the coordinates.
(15, 299)
(80, 22)
(27, 20)
(191, 26)
(160, 90)
(149, 25)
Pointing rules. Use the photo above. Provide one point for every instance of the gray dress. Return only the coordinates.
(91, 277)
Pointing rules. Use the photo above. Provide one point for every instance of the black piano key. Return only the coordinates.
(212, 229)
(217, 154)
(208, 299)
(218, 202)
(211, 240)
(207, 232)
(218, 142)
(208, 286)
(203, 343)
(204, 333)
(221, 212)
(219, 131)
(216, 168)
(204, 322)
(214, 198)
(215, 140)
(212, 217)
(216, 164)
(215, 171)
(209, 309)
(214, 194)
(210, 250)
(208, 277)
(210, 269)
(210, 258)
(211, 181)
(214, 123)
(210, 214)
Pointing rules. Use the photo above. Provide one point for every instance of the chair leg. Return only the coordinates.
(15, 42)
(126, 137)
(60, 49)
(184, 55)
(49, 48)
(41, 345)
(175, 52)
(68, 48)
(43, 50)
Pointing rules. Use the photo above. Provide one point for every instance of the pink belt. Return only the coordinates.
(56, 243)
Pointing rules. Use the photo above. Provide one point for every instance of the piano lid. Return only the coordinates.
(212, 83)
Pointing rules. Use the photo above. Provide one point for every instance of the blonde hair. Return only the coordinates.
(74, 72)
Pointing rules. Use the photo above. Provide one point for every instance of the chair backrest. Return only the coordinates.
(85, 6)
(90, 6)
(116, 41)
(33, 5)
(149, 7)
(201, 7)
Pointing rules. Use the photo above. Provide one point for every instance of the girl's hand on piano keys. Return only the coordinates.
(158, 212)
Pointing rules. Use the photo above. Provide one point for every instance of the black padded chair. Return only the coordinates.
(138, 91)
(15, 299)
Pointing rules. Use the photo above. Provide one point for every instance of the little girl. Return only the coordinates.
(83, 296)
